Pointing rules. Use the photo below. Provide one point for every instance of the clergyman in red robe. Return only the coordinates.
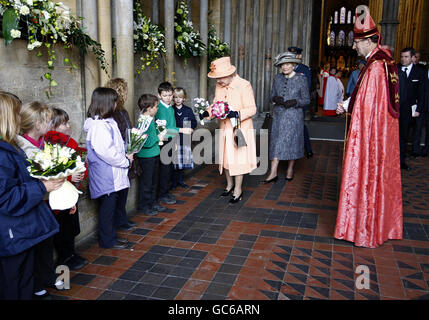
(370, 203)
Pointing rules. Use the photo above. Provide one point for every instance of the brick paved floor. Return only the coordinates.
(274, 245)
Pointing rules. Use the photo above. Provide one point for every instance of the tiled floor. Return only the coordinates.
(276, 244)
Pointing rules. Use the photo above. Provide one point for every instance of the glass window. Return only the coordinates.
(351, 38)
(341, 38)
(332, 38)
(343, 15)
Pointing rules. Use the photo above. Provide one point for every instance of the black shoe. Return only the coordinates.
(119, 246)
(309, 155)
(183, 185)
(149, 212)
(45, 296)
(405, 167)
(269, 181)
(289, 179)
(227, 193)
(415, 155)
(171, 196)
(158, 208)
(74, 264)
(122, 240)
(131, 223)
(236, 199)
(126, 227)
(425, 154)
(84, 261)
(167, 200)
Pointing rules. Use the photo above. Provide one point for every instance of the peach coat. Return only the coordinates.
(239, 96)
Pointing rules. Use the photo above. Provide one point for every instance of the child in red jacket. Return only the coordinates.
(64, 241)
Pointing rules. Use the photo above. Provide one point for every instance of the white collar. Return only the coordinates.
(369, 54)
(164, 104)
(409, 67)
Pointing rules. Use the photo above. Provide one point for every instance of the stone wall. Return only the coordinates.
(22, 74)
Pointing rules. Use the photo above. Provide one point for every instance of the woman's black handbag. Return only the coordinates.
(239, 139)
(267, 122)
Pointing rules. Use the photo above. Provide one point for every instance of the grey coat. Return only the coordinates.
(287, 132)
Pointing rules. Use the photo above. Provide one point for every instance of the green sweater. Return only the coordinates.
(165, 113)
(151, 147)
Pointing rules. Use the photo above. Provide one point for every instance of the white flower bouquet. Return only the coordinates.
(56, 162)
(136, 139)
(161, 126)
(201, 105)
(144, 122)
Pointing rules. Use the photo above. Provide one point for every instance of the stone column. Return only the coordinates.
(308, 34)
(105, 38)
(296, 24)
(270, 42)
(389, 24)
(169, 39)
(254, 46)
(155, 11)
(227, 23)
(282, 27)
(241, 37)
(125, 49)
(262, 35)
(288, 25)
(204, 32)
(91, 65)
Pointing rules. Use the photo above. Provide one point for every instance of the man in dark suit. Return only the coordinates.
(411, 93)
(421, 120)
(425, 115)
(302, 68)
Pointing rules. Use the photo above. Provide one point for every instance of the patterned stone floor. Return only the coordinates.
(275, 245)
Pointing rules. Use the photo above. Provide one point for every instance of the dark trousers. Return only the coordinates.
(177, 177)
(16, 276)
(44, 271)
(417, 136)
(64, 239)
(111, 215)
(307, 143)
(165, 171)
(426, 124)
(405, 120)
(147, 182)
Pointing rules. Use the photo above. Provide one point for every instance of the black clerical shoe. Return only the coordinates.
(405, 167)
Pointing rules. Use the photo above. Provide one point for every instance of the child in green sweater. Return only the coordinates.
(166, 112)
(148, 159)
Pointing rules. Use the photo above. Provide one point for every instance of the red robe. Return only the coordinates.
(370, 204)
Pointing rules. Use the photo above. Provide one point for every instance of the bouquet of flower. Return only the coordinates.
(161, 125)
(56, 162)
(200, 105)
(136, 139)
(144, 122)
(220, 110)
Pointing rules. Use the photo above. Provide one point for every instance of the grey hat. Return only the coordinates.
(286, 57)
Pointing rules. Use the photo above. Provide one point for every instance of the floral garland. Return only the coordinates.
(45, 23)
(149, 39)
(187, 41)
(217, 48)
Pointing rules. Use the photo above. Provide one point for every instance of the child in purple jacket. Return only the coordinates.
(108, 166)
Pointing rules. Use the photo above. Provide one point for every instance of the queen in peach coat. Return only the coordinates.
(238, 93)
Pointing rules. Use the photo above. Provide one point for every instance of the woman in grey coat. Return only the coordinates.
(290, 94)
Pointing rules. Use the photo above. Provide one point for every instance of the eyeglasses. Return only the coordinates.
(356, 42)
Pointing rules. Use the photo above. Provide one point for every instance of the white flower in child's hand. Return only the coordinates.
(15, 33)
